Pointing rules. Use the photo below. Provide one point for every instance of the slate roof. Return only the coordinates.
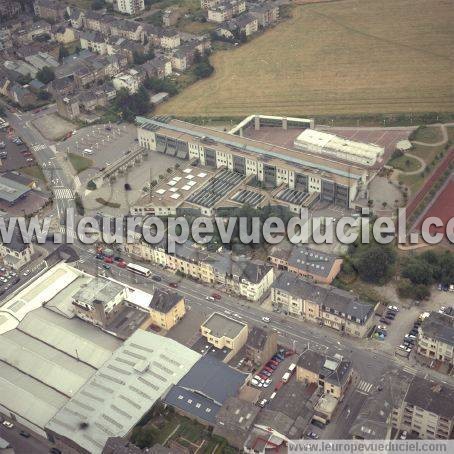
(163, 300)
(440, 327)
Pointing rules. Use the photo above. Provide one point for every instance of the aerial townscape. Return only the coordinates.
(150, 151)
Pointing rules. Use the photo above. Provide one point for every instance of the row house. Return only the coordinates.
(76, 18)
(127, 29)
(251, 279)
(63, 33)
(131, 80)
(328, 306)
(98, 22)
(226, 10)
(158, 67)
(246, 24)
(207, 4)
(183, 57)
(306, 262)
(130, 7)
(50, 9)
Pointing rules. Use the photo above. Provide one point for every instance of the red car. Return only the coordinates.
(268, 369)
(121, 264)
(263, 376)
(272, 361)
(108, 260)
(216, 296)
(173, 285)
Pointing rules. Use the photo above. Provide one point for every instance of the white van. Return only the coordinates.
(273, 395)
(88, 151)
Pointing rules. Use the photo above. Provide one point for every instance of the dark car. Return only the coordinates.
(318, 424)
(24, 434)
(389, 316)
(157, 278)
(127, 187)
(99, 256)
(385, 321)
(55, 451)
(118, 259)
(414, 332)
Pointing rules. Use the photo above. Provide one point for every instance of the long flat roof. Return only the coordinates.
(117, 396)
(220, 325)
(188, 131)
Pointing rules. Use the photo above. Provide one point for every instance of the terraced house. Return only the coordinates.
(329, 306)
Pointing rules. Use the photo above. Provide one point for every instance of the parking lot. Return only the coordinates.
(17, 155)
(103, 144)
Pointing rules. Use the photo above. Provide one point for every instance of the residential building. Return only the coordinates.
(26, 35)
(9, 9)
(169, 38)
(50, 9)
(93, 41)
(130, 7)
(92, 20)
(265, 13)
(225, 333)
(167, 308)
(127, 29)
(207, 4)
(426, 410)
(17, 253)
(246, 25)
(130, 80)
(68, 106)
(62, 86)
(235, 420)
(303, 176)
(158, 67)
(261, 345)
(328, 306)
(170, 17)
(332, 375)
(306, 262)
(436, 338)
(63, 33)
(76, 18)
(22, 96)
(226, 10)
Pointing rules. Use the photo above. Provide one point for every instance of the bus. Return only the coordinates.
(292, 368)
(138, 269)
(286, 377)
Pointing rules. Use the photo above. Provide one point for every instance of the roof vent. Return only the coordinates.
(142, 366)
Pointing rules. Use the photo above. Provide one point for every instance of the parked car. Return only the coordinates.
(209, 298)
(7, 424)
(156, 278)
(216, 296)
(385, 321)
(24, 434)
(312, 435)
(390, 316)
(393, 308)
(271, 366)
(266, 319)
(263, 402)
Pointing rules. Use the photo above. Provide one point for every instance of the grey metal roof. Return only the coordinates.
(214, 379)
(100, 289)
(163, 300)
(220, 325)
(117, 396)
(11, 190)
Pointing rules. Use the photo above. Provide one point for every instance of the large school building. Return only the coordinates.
(272, 165)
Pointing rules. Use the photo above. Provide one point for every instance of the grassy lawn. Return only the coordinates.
(80, 163)
(413, 182)
(428, 134)
(34, 172)
(189, 26)
(319, 63)
(450, 133)
(405, 163)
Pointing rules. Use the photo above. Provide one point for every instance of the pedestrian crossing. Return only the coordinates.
(38, 147)
(63, 193)
(410, 370)
(364, 387)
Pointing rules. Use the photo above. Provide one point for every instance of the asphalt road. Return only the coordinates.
(60, 180)
(32, 445)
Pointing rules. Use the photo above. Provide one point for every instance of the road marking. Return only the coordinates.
(38, 147)
(63, 193)
(364, 387)
(410, 370)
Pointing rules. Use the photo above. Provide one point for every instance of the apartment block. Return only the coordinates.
(328, 306)
(426, 410)
(130, 6)
(436, 337)
(261, 345)
(166, 308)
(226, 10)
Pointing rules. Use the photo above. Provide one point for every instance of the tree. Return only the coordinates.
(130, 105)
(373, 262)
(140, 58)
(166, 85)
(203, 68)
(142, 437)
(45, 75)
(417, 271)
(24, 80)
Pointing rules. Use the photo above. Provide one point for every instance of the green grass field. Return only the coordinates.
(405, 163)
(80, 163)
(343, 58)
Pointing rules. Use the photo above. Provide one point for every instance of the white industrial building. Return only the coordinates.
(121, 392)
(329, 144)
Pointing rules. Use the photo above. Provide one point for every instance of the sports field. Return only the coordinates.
(345, 57)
